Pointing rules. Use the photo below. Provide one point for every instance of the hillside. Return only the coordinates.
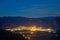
(9, 22)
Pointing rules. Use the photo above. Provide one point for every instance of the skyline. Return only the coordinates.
(30, 8)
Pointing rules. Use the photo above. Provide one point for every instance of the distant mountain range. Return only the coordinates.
(9, 22)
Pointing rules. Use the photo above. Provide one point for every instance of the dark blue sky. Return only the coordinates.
(30, 8)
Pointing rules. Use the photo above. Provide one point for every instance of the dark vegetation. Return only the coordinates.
(56, 36)
(6, 35)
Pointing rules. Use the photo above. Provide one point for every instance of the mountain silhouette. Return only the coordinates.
(10, 22)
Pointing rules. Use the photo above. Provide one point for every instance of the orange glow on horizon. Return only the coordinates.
(31, 28)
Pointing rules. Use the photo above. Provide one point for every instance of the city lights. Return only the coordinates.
(31, 28)
(27, 32)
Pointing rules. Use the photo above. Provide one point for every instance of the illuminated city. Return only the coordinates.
(29, 19)
(31, 28)
(27, 32)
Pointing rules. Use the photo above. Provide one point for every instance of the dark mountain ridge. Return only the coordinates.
(9, 22)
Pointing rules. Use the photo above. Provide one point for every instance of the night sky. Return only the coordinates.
(30, 8)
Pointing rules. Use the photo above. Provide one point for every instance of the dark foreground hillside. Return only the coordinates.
(6, 35)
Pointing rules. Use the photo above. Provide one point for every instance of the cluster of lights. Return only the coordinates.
(31, 28)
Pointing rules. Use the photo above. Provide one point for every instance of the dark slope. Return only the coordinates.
(6, 35)
(8, 22)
